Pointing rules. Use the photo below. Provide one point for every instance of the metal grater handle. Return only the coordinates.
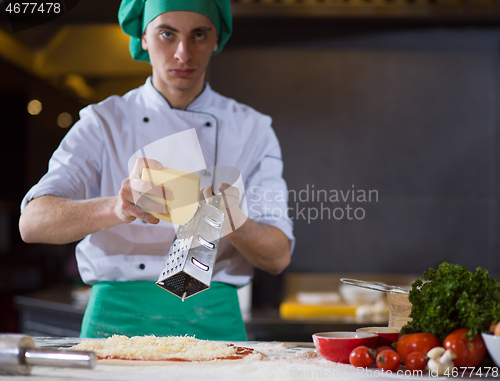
(377, 286)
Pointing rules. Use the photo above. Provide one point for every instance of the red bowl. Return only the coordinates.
(387, 335)
(336, 346)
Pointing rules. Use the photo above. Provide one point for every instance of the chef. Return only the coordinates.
(89, 193)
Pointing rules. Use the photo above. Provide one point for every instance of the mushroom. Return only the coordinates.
(440, 360)
(435, 353)
(448, 356)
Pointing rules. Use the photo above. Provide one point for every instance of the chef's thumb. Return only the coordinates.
(224, 186)
(152, 164)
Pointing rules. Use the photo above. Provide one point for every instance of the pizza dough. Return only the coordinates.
(153, 350)
(161, 362)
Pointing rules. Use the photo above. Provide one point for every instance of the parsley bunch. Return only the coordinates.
(452, 297)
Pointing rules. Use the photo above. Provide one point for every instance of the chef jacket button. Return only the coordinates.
(208, 124)
(146, 119)
(142, 266)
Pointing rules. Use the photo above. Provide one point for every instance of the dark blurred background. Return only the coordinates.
(393, 101)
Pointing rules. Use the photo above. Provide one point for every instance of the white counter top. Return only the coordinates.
(283, 361)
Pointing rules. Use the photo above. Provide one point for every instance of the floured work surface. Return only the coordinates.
(271, 360)
(279, 362)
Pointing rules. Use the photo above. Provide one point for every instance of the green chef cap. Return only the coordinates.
(135, 15)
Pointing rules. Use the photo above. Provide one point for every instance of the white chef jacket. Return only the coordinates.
(93, 158)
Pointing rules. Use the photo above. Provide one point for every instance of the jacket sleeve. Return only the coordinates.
(266, 190)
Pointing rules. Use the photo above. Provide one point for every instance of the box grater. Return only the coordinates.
(190, 261)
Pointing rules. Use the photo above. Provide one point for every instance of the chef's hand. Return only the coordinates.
(229, 205)
(132, 201)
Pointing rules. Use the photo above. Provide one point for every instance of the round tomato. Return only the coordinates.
(361, 357)
(493, 325)
(497, 330)
(469, 352)
(380, 349)
(416, 342)
(388, 360)
(416, 361)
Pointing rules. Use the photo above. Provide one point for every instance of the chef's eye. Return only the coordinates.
(199, 36)
(166, 34)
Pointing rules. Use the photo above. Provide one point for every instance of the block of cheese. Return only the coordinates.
(184, 190)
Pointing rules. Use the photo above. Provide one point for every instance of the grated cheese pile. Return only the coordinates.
(157, 348)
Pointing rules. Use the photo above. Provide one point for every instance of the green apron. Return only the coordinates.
(138, 308)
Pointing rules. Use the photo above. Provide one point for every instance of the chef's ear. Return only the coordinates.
(144, 41)
(215, 47)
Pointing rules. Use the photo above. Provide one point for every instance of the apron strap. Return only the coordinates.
(137, 308)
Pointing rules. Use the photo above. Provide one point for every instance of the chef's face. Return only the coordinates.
(180, 45)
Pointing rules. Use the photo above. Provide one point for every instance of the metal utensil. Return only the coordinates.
(190, 261)
(377, 286)
(18, 354)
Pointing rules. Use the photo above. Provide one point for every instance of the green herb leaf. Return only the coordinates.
(452, 297)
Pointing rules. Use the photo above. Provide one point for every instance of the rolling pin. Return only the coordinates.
(18, 354)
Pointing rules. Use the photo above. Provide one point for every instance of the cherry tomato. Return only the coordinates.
(361, 357)
(469, 352)
(497, 330)
(380, 349)
(493, 325)
(416, 342)
(416, 361)
(388, 360)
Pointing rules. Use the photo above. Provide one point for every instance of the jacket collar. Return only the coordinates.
(200, 103)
